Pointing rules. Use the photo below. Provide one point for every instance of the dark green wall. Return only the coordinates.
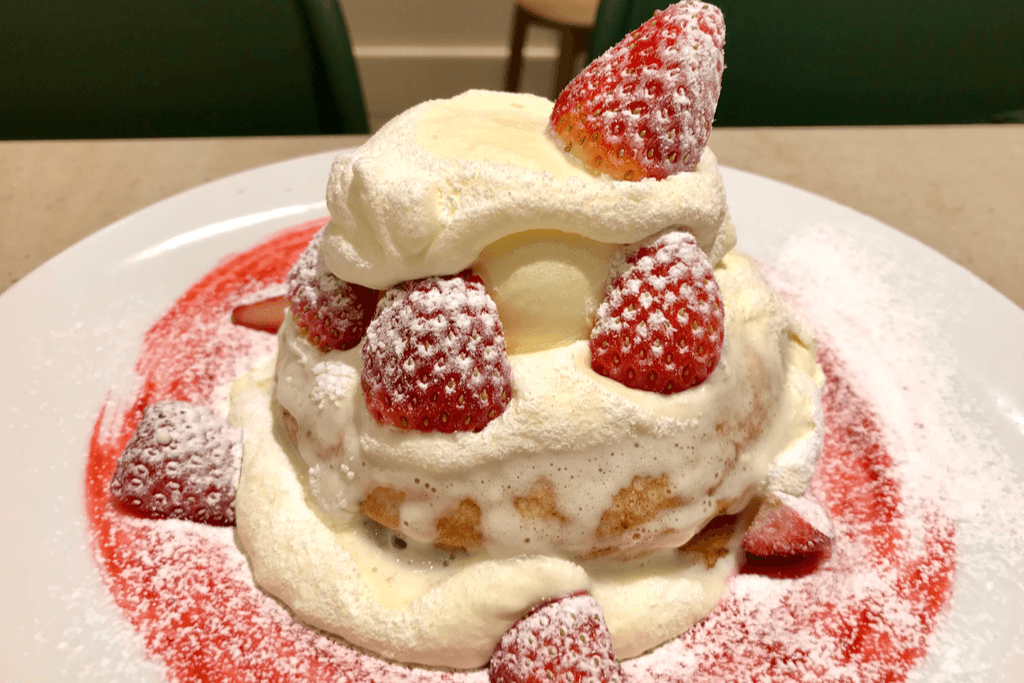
(804, 62)
(136, 68)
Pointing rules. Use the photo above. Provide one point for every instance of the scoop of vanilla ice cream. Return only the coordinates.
(476, 181)
(547, 286)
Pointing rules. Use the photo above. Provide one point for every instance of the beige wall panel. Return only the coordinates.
(409, 51)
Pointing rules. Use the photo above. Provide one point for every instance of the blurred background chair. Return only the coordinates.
(856, 62)
(572, 19)
(124, 68)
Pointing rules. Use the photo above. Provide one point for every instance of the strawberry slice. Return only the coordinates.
(331, 313)
(789, 527)
(563, 640)
(265, 315)
(434, 359)
(182, 462)
(645, 107)
(661, 325)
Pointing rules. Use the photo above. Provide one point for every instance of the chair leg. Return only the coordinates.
(514, 68)
(575, 41)
(564, 73)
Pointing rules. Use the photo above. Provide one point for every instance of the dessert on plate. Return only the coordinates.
(521, 361)
(524, 376)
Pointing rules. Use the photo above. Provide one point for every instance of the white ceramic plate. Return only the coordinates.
(75, 325)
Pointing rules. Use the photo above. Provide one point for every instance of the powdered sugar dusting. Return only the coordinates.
(908, 487)
(562, 640)
(182, 462)
(332, 313)
(661, 325)
(810, 511)
(864, 614)
(435, 358)
(649, 100)
(423, 197)
(185, 587)
(946, 459)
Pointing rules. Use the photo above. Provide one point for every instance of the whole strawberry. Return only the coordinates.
(331, 313)
(661, 325)
(645, 107)
(562, 640)
(181, 463)
(434, 359)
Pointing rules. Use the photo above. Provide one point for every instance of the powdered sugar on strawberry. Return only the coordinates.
(789, 526)
(563, 640)
(181, 463)
(661, 326)
(434, 357)
(645, 107)
(331, 313)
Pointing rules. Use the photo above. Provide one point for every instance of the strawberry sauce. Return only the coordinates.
(863, 614)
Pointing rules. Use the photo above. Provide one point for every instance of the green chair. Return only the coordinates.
(863, 62)
(125, 68)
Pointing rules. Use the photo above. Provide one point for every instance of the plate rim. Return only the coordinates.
(37, 282)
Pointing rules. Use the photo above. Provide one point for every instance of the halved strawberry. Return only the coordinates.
(562, 640)
(434, 357)
(645, 107)
(331, 313)
(787, 526)
(265, 315)
(661, 325)
(181, 463)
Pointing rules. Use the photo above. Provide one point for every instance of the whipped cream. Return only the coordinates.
(586, 435)
(582, 483)
(577, 436)
(332, 576)
(445, 179)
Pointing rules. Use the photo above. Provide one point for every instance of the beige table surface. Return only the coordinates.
(958, 189)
